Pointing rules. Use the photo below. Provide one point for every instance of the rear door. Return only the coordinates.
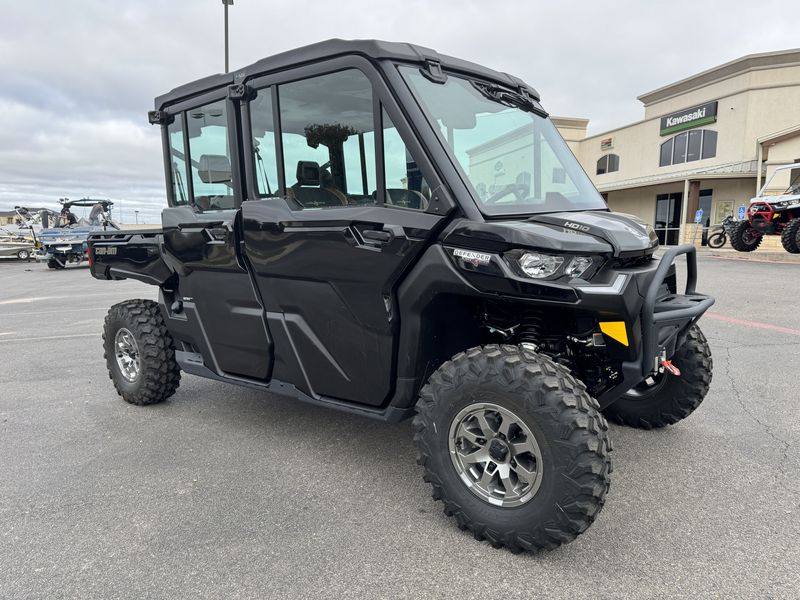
(224, 319)
(339, 209)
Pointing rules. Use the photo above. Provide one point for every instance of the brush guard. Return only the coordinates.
(665, 319)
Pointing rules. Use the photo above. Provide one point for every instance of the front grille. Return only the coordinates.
(631, 262)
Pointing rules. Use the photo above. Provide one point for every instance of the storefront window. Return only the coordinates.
(688, 146)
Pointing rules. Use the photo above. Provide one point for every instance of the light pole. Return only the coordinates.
(136, 212)
(226, 3)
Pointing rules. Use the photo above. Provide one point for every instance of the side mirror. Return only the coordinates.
(214, 168)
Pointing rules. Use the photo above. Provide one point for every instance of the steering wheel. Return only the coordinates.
(519, 190)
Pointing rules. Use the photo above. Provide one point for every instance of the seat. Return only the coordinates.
(406, 198)
(309, 174)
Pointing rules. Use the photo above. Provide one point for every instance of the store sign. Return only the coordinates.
(607, 143)
(688, 118)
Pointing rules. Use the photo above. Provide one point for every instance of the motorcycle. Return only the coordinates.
(719, 235)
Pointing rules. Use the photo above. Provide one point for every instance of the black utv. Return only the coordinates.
(381, 229)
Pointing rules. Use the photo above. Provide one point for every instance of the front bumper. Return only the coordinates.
(665, 320)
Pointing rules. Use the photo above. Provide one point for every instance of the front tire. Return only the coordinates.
(668, 398)
(23, 254)
(532, 445)
(790, 238)
(717, 240)
(745, 238)
(140, 353)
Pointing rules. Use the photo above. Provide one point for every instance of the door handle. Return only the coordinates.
(383, 237)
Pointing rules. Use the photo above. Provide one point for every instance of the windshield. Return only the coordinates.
(516, 160)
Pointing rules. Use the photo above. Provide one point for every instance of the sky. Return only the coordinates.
(78, 77)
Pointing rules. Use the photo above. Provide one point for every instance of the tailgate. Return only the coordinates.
(128, 255)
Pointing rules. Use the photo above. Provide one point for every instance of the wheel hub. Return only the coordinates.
(498, 451)
(126, 351)
(495, 454)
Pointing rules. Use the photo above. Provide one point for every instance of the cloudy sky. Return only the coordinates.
(77, 77)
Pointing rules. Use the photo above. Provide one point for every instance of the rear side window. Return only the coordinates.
(207, 127)
(201, 173)
(177, 160)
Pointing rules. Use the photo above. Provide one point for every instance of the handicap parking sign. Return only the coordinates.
(742, 212)
(698, 216)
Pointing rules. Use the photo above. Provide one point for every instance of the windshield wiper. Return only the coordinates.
(509, 98)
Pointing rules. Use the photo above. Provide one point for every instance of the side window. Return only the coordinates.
(405, 185)
(177, 160)
(207, 127)
(327, 134)
(608, 163)
(263, 131)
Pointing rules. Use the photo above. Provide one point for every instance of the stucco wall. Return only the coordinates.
(744, 114)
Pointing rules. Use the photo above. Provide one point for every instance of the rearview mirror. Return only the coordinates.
(214, 168)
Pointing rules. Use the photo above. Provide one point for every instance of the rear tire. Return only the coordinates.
(140, 353)
(790, 238)
(717, 240)
(745, 238)
(531, 500)
(23, 255)
(672, 398)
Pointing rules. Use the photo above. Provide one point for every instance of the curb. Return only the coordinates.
(768, 256)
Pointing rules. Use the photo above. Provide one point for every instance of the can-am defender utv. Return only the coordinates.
(770, 214)
(381, 229)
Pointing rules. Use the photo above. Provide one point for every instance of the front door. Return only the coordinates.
(329, 247)
(224, 319)
(668, 218)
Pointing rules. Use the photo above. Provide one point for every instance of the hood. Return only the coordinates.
(575, 232)
(628, 235)
(784, 200)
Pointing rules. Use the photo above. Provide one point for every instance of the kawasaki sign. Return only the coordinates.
(688, 118)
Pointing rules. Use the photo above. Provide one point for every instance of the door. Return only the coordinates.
(329, 248)
(224, 319)
(668, 218)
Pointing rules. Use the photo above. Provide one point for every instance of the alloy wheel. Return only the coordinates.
(495, 454)
(127, 353)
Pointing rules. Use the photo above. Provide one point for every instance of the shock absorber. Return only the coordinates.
(530, 327)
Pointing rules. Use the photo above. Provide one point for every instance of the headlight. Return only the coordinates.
(578, 266)
(539, 266)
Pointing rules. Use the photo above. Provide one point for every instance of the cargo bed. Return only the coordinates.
(128, 254)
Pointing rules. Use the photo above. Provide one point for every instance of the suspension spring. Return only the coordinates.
(530, 327)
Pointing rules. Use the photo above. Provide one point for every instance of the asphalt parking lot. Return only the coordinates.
(225, 492)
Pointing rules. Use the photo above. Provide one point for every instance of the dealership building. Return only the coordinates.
(707, 142)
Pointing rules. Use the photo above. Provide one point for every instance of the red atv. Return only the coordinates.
(772, 215)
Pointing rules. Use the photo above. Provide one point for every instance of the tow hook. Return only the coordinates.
(668, 366)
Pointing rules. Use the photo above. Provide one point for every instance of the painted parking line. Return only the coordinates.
(77, 297)
(48, 337)
(753, 324)
(50, 312)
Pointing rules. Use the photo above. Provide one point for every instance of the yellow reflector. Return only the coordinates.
(615, 330)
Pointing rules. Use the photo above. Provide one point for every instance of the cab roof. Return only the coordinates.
(370, 49)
